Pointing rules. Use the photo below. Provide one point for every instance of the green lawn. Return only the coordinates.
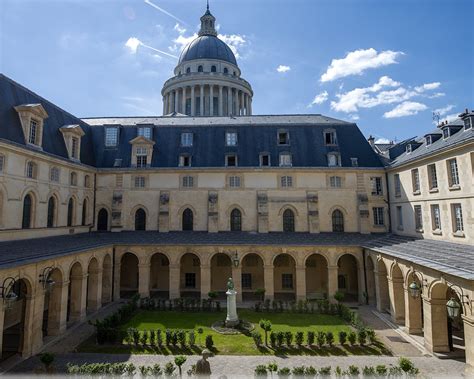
(239, 344)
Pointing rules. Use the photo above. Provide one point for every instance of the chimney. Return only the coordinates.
(371, 140)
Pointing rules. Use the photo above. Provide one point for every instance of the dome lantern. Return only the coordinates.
(208, 22)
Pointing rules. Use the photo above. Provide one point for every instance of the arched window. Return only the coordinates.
(200, 69)
(87, 181)
(51, 211)
(140, 219)
(188, 219)
(288, 221)
(84, 213)
(188, 70)
(213, 68)
(31, 170)
(103, 220)
(70, 212)
(27, 212)
(235, 220)
(337, 221)
(73, 179)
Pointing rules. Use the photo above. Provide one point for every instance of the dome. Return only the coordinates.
(207, 47)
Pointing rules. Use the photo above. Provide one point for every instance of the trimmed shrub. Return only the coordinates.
(288, 338)
(330, 338)
(179, 361)
(353, 370)
(339, 296)
(370, 335)
(152, 337)
(362, 337)
(407, 365)
(310, 337)
(159, 338)
(144, 338)
(47, 360)
(310, 372)
(257, 338)
(298, 371)
(352, 337)
(280, 338)
(272, 367)
(321, 338)
(181, 335)
(156, 370)
(381, 370)
(169, 369)
(261, 370)
(342, 337)
(273, 339)
(368, 371)
(209, 342)
(325, 371)
(266, 325)
(192, 338)
(284, 372)
(299, 338)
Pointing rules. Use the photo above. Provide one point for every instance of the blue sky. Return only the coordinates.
(384, 64)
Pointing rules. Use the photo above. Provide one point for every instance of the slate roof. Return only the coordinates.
(256, 134)
(447, 257)
(460, 137)
(13, 94)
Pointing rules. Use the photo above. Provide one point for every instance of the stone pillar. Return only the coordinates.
(361, 283)
(242, 103)
(383, 302)
(237, 278)
(193, 101)
(246, 100)
(165, 103)
(469, 339)
(78, 297)
(37, 313)
(435, 324)
(116, 283)
(221, 99)
(211, 100)
(300, 282)
(413, 321)
(205, 281)
(2, 324)
(229, 101)
(397, 300)
(28, 327)
(175, 273)
(237, 103)
(94, 290)
(250, 106)
(268, 280)
(332, 282)
(144, 280)
(176, 101)
(201, 100)
(107, 284)
(183, 106)
(57, 314)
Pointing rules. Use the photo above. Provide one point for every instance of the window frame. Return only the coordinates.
(287, 282)
(399, 213)
(337, 157)
(54, 174)
(333, 137)
(379, 216)
(288, 221)
(418, 216)
(187, 181)
(234, 181)
(436, 224)
(186, 139)
(453, 173)
(287, 137)
(335, 181)
(231, 138)
(397, 185)
(457, 218)
(108, 138)
(432, 177)
(34, 127)
(139, 182)
(183, 158)
(3, 161)
(286, 181)
(377, 185)
(415, 181)
(141, 132)
(282, 159)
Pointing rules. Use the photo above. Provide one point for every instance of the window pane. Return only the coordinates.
(111, 136)
(231, 139)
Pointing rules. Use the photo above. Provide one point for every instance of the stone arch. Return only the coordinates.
(103, 221)
(129, 274)
(316, 267)
(160, 275)
(288, 206)
(107, 269)
(284, 276)
(337, 207)
(371, 282)
(190, 275)
(252, 277)
(30, 202)
(18, 320)
(348, 276)
(94, 288)
(77, 293)
(397, 298)
(221, 271)
(53, 209)
(382, 289)
(72, 211)
(140, 218)
(85, 211)
(53, 317)
(414, 306)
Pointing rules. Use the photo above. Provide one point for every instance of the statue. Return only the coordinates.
(230, 285)
(203, 367)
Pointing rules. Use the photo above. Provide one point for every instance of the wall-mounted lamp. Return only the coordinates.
(9, 296)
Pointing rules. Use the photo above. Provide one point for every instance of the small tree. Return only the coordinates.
(144, 338)
(362, 337)
(266, 325)
(212, 294)
(159, 338)
(260, 293)
(209, 342)
(321, 339)
(330, 338)
(299, 338)
(371, 335)
(169, 369)
(352, 337)
(179, 361)
(342, 337)
(152, 337)
(272, 367)
(192, 338)
(339, 296)
(260, 371)
(257, 338)
(273, 338)
(310, 338)
(200, 332)
(288, 338)
(280, 338)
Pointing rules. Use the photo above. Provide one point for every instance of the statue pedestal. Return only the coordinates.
(232, 319)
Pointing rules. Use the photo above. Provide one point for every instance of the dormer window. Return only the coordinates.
(144, 131)
(468, 121)
(334, 159)
(142, 151)
(184, 160)
(428, 140)
(111, 136)
(32, 117)
(33, 132)
(231, 160)
(408, 148)
(75, 147)
(283, 138)
(188, 70)
(285, 160)
(72, 135)
(226, 70)
(355, 162)
(142, 155)
(187, 139)
(265, 160)
(446, 133)
(330, 137)
(231, 139)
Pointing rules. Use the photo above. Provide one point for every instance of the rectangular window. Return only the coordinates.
(415, 178)
(287, 281)
(184, 160)
(231, 160)
(453, 172)
(376, 185)
(285, 159)
(398, 185)
(190, 280)
(378, 216)
(188, 181)
(33, 131)
(75, 147)
(186, 139)
(144, 131)
(436, 217)
(283, 138)
(428, 140)
(286, 181)
(355, 162)
(467, 123)
(139, 182)
(231, 139)
(432, 176)
(234, 181)
(445, 133)
(418, 217)
(335, 181)
(399, 218)
(2, 162)
(265, 160)
(141, 161)
(458, 224)
(330, 138)
(247, 281)
(54, 174)
(111, 136)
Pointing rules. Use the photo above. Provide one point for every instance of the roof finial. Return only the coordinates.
(207, 4)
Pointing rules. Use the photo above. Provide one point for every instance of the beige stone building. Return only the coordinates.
(97, 209)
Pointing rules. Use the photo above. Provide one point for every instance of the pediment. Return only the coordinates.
(142, 140)
(36, 109)
(74, 128)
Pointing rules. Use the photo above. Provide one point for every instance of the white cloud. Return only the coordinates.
(427, 87)
(437, 94)
(182, 41)
(235, 42)
(450, 117)
(283, 68)
(319, 98)
(180, 29)
(357, 98)
(407, 108)
(132, 44)
(444, 110)
(356, 62)
(354, 117)
(382, 140)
